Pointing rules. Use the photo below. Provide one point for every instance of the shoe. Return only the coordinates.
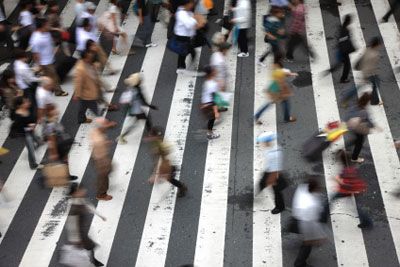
(242, 54)
(345, 81)
(182, 191)
(151, 45)
(291, 119)
(62, 93)
(180, 71)
(222, 109)
(104, 197)
(258, 122)
(384, 20)
(112, 107)
(37, 167)
(87, 121)
(260, 63)
(277, 210)
(73, 177)
(365, 225)
(211, 136)
(97, 263)
(358, 160)
(122, 140)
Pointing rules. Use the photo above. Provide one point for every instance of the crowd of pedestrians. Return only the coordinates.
(43, 53)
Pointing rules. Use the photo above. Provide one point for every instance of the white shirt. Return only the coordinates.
(24, 76)
(273, 159)
(44, 97)
(25, 18)
(93, 21)
(82, 37)
(79, 9)
(209, 87)
(217, 61)
(242, 14)
(185, 24)
(306, 206)
(42, 44)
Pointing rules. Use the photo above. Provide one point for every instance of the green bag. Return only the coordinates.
(219, 101)
(273, 87)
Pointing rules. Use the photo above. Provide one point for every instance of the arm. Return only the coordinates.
(52, 146)
(78, 82)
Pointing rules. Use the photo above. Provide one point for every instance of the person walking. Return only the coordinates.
(42, 45)
(393, 6)
(274, 33)
(219, 63)
(297, 30)
(136, 104)
(273, 170)
(345, 48)
(24, 76)
(87, 86)
(114, 26)
(242, 20)
(100, 154)
(79, 220)
(44, 97)
(9, 90)
(146, 24)
(26, 25)
(307, 207)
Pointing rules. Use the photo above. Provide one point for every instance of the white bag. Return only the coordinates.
(75, 257)
(126, 97)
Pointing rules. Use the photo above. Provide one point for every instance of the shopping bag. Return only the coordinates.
(126, 97)
(219, 100)
(56, 174)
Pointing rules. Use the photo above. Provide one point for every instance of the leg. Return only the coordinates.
(304, 253)
(264, 56)
(92, 105)
(31, 150)
(393, 7)
(374, 96)
(292, 43)
(278, 198)
(286, 110)
(181, 62)
(131, 126)
(346, 68)
(358, 144)
(50, 71)
(263, 182)
(103, 169)
(349, 94)
(154, 12)
(261, 110)
(242, 40)
(82, 111)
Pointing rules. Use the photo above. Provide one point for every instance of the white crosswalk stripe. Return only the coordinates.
(209, 239)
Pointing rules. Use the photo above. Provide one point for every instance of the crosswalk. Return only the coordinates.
(224, 220)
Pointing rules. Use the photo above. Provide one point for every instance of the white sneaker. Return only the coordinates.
(180, 71)
(243, 54)
(358, 160)
(260, 63)
(211, 136)
(151, 45)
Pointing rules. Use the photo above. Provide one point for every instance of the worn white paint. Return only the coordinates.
(267, 241)
(44, 236)
(385, 157)
(348, 238)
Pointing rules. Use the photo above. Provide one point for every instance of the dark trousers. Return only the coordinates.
(83, 106)
(278, 197)
(394, 5)
(275, 50)
(286, 110)
(173, 181)
(242, 41)
(182, 58)
(155, 8)
(358, 144)
(345, 60)
(5, 36)
(30, 140)
(138, 117)
(144, 32)
(296, 39)
(375, 83)
(302, 256)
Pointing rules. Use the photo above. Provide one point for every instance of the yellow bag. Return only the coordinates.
(208, 4)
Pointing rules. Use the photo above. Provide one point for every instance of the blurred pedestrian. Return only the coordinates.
(155, 9)
(100, 154)
(24, 75)
(114, 26)
(307, 208)
(145, 20)
(393, 6)
(242, 21)
(9, 90)
(44, 97)
(89, 13)
(272, 175)
(274, 33)
(26, 25)
(135, 105)
(83, 34)
(5, 30)
(79, 220)
(80, 8)
(219, 63)
(345, 48)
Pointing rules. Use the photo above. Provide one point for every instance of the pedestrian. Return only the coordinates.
(87, 86)
(274, 33)
(9, 90)
(297, 30)
(242, 21)
(60, 35)
(185, 27)
(349, 183)
(219, 63)
(114, 26)
(368, 64)
(163, 168)
(89, 13)
(26, 25)
(136, 104)
(147, 24)
(100, 154)
(83, 34)
(42, 45)
(272, 175)
(307, 207)
(80, 8)
(23, 126)
(345, 48)
(79, 220)
(5, 31)
(155, 9)
(393, 6)
(44, 97)
(208, 107)
(278, 91)
(360, 125)
(24, 76)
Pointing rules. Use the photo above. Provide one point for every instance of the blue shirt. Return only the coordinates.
(280, 3)
(273, 159)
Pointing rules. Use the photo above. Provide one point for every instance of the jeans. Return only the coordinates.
(375, 83)
(278, 197)
(296, 39)
(242, 41)
(358, 144)
(30, 140)
(83, 106)
(145, 30)
(286, 110)
(275, 50)
(345, 59)
(261, 110)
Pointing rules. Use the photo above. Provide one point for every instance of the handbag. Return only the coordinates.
(56, 174)
(313, 147)
(178, 47)
(126, 97)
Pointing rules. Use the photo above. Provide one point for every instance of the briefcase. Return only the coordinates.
(56, 174)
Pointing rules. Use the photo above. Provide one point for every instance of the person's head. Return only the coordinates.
(224, 47)
(47, 83)
(347, 20)
(42, 24)
(87, 56)
(278, 12)
(8, 78)
(53, 6)
(313, 184)
(86, 24)
(90, 7)
(91, 46)
(21, 102)
(21, 55)
(375, 42)
(364, 100)
(210, 72)
(188, 4)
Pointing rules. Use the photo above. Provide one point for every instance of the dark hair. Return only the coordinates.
(208, 70)
(85, 22)
(18, 101)
(52, 3)
(156, 131)
(313, 184)
(7, 74)
(19, 53)
(376, 41)
(40, 22)
(347, 20)
(85, 53)
(89, 43)
(363, 101)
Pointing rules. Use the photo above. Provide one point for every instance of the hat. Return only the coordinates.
(133, 79)
(266, 137)
(90, 6)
